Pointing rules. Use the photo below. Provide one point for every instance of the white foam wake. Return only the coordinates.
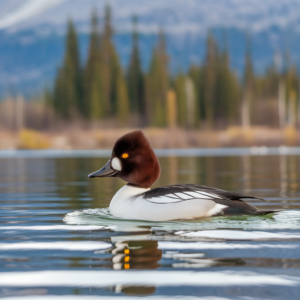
(284, 220)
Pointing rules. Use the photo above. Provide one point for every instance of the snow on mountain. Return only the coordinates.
(26, 10)
(179, 16)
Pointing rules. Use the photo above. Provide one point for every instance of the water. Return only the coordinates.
(59, 241)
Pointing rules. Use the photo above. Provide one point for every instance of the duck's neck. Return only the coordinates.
(137, 186)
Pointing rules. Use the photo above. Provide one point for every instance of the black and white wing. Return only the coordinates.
(178, 193)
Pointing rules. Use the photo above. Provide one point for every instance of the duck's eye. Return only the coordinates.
(125, 155)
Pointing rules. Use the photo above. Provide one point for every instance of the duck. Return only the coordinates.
(134, 161)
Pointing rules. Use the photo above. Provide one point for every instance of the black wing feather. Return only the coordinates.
(181, 188)
(233, 200)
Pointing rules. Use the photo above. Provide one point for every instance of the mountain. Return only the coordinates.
(32, 33)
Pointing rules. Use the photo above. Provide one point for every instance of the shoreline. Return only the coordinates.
(171, 138)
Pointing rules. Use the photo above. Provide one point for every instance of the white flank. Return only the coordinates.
(215, 210)
(70, 246)
(91, 278)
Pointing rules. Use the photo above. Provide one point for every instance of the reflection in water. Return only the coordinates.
(135, 290)
(283, 175)
(37, 194)
(173, 169)
(136, 255)
(145, 255)
(293, 172)
(196, 260)
(246, 165)
(263, 176)
(288, 219)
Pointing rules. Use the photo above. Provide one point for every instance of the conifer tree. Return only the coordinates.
(195, 73)
(181, 100)
(209, 79)
(221, 86)
(248, 85)
(122, 102)
(158, 83)
(226, 90)
(291, 83)
(95, 106)
(171, 109)
(109, 55)
(68, 85)
(190, 102)
(135, 76)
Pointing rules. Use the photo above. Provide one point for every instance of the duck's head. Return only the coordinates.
(133, 160)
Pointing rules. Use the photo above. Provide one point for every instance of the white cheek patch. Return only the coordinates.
(116, 164)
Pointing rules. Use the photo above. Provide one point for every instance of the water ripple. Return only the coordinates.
(284, 220)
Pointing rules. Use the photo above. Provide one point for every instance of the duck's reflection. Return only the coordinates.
(136, 255)
(144, 254)
(141, 254)
(135, 290)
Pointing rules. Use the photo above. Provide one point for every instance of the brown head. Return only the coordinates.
(133, 160)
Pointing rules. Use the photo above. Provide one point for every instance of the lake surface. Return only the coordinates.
(58, 240)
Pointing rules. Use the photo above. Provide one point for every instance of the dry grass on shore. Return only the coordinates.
(159, 138)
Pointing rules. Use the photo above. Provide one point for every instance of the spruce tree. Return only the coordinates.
(292, 86)
(227, 90)
(68, 84)
(171, 109)
(120, 88)
(210, 79)
(158, 83)
(190, 96)
(95, 106)
(135, 76)
(179, 84)
(248, 86)
(195, 73)
(108, 55)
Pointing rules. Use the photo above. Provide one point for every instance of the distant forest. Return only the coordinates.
(209, 95)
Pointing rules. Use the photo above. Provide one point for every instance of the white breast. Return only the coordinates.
(121, 203)
(128, 204)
